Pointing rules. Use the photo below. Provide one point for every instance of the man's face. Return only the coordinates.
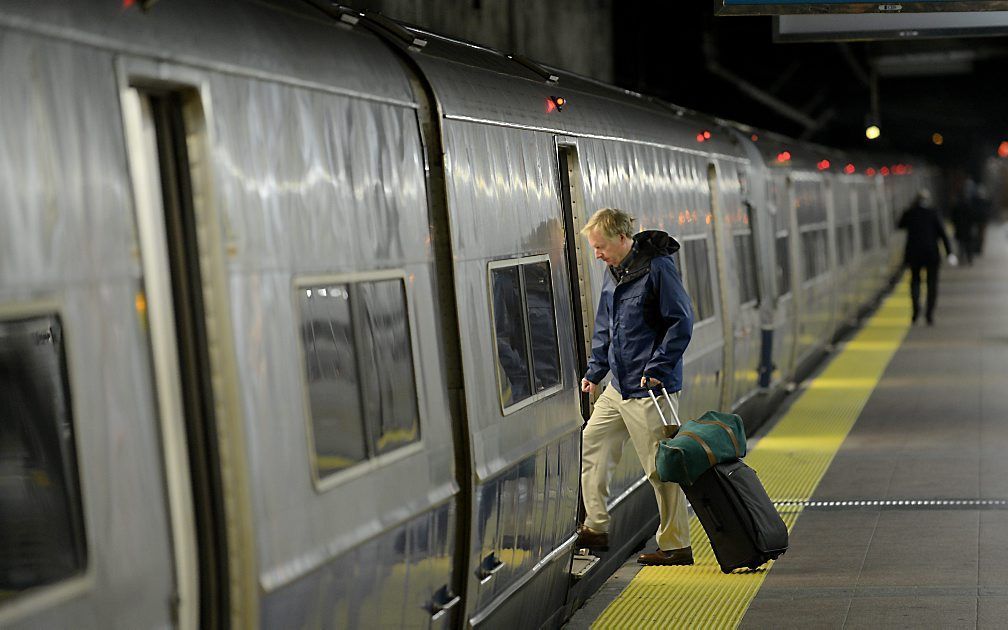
(611, 251)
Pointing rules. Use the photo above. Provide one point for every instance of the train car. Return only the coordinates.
(294, 309)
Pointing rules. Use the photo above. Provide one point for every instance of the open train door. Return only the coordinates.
(579, 259)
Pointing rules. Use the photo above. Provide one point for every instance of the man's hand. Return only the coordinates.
(587, 386)
(649, 383)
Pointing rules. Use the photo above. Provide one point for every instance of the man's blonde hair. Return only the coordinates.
(611, 222)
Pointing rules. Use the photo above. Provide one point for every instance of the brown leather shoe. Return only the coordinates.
(592, 539)
(676, 557)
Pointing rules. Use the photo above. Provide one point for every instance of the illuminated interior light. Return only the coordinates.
(937, 138)
(872, 132)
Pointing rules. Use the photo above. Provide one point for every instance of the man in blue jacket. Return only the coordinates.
(643, 324)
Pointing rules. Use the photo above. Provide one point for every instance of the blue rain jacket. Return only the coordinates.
(644, 320)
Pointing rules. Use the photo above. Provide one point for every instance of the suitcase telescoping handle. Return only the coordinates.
(671, 428)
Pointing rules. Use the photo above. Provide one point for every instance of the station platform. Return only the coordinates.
(889, 466)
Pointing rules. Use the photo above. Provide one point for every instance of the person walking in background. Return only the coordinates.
(924, 229)
(643, 325)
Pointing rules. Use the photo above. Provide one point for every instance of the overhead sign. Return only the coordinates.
(800, 7)
(863, 26)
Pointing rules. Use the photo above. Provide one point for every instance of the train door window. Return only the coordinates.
(782, 247)
(41, 523)
(358, 365)
(698, 279)
(844, 243)
(745, 255)
(814, 253)
(525, 330)
(867, 233)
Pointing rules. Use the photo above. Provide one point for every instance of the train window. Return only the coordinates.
(783, 264)
(867, 234)
(845, 243)
(359, 370)
(745, 254)
(814, 263)
(525, 330)
(41, 523)
(698, 279)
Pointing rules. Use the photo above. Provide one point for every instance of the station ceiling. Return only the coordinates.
(730, 66)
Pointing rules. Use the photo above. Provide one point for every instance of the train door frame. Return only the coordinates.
(727, 373)
(201, 413)
(575, 216)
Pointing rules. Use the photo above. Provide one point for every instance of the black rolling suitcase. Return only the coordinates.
(741, 522)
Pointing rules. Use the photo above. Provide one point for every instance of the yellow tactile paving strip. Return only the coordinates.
(790, 460)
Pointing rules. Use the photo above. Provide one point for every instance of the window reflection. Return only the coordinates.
(387, 366)
(331, 370)
(509, 325)
(542, 325)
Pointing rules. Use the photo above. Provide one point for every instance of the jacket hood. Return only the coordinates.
(647, 245)
(652, 243)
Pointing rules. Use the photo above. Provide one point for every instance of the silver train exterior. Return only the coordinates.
(293, 311)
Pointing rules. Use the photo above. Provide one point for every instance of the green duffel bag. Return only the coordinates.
(699, 444)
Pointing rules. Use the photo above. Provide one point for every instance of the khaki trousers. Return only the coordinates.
(611, 422)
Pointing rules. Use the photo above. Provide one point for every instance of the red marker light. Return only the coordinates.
(754, 137)
(1003, 149)
(869, 171)
(784, 156)
(823, 165)
(849, 169)
(706, 135)
(555, 103)
(700, 137)
(885, 171)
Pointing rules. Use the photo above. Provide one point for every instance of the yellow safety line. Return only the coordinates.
(790, 460)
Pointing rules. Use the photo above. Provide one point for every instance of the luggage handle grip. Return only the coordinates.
(661, 413)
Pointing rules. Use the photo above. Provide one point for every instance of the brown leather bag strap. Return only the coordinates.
(728, 430)
(699, 440)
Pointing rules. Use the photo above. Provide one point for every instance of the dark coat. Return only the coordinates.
(644, 320)
(924, 229)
